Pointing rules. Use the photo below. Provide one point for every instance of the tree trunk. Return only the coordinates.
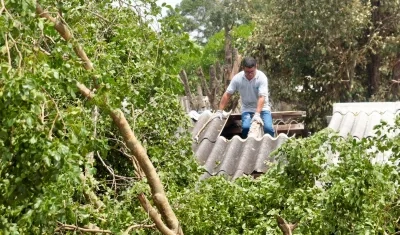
(375, 58)
(373, 74)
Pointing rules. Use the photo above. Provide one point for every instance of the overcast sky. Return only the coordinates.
(170, 2)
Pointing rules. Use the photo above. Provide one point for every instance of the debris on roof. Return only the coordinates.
(234, 156)
(359, 119)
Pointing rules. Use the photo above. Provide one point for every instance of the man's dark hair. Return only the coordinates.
(249, 62)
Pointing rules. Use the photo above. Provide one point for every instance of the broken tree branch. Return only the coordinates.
(154, 215)
(284, 226)
(131, 141)
(139, 151)
(138, 226)
(76, 228)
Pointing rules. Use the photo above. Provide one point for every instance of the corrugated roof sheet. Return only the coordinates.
(359, 119)
(234, 157)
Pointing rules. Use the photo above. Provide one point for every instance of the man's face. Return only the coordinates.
(249, 73)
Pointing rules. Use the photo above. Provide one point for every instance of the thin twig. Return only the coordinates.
(138, 171)
(76, 228)
(97, 14)
(95, 115)
(42, 115)
(109, 169)
(154, 215)
(8, 54)
(52, 126)
(56, 106)
(48, 37)
(19, 52)
(3, 8)
(44, 51)
(138, 226)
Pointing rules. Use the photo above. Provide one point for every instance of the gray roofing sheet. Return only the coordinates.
(233, 157)
(359, 119)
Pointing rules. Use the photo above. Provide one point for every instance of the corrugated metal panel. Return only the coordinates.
(359, 119)
(233, 157)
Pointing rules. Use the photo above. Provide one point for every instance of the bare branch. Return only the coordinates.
(52, 126)
(97, 14)
(138, 171)
(76, 228)
(90, 195)
(8, 54)
(138, 226)
(154, 215)
(115, 176)
(85, 91)
(18, 51)
(203, 81)
(55, 105)
(185, 82)
(284, 226)
(3, 8)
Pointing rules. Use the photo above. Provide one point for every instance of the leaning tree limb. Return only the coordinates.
(157, 189)
(154, 215)
(284, 226)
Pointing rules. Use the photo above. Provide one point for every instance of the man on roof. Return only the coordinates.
(252, 85)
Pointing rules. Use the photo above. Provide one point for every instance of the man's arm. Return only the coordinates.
(224, 100)
(260, 103)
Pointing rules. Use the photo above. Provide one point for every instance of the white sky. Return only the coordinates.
(164, 10)
(170, 2)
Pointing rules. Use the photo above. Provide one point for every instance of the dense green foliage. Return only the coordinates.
(322, 52)
(47, 128)
(354, 194)
(51, 136)
(204, 18)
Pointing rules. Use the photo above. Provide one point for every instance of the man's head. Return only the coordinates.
(249, 65)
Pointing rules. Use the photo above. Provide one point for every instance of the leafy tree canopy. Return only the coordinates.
(205, 18)
(325, 53)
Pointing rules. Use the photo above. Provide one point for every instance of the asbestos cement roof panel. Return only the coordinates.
(233, 157)
(359, 119)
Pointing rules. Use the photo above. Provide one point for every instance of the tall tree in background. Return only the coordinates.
(204, 18)
(323, 53)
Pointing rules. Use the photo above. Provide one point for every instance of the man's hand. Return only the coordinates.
(220, 114)
(257, 118)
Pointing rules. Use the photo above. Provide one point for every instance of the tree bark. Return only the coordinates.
(183, 76)
(284, 226)
(213, 88)
(395, 87)
(373, 73)
(154, 215)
